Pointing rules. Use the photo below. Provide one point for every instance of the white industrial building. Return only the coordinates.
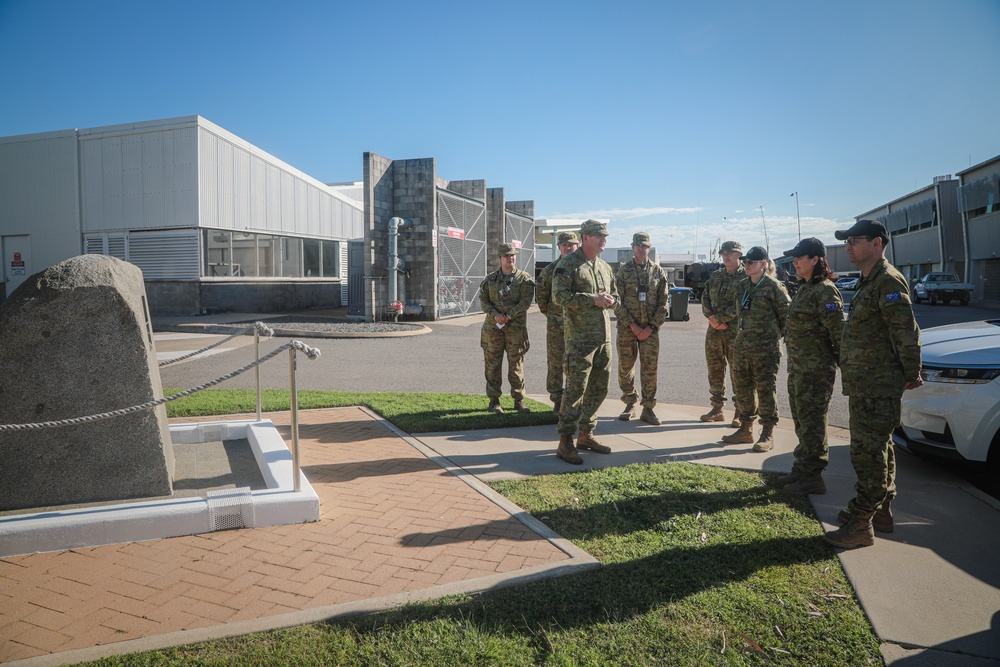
(214, 222)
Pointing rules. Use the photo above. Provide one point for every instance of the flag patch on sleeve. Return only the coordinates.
(892, 296)
(831, 306)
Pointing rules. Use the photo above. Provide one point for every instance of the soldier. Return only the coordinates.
(584, 286)
(505, 296)
(555, 345)
(812, 335)
(718, 304)
(879, 360)
(763, 307)
(641, 310)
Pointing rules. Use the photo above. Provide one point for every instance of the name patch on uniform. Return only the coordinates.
(561, 271)
(892, 296)
(831, 306)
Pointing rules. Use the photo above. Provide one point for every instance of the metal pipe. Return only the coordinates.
(256, 370)
(295, 419)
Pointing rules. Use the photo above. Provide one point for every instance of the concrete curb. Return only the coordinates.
(227, 330)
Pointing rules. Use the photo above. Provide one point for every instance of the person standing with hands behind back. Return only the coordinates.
(812, 336)
(555, 343)
(641, 311)
(718, 304)
(879, 360)
(505, 296)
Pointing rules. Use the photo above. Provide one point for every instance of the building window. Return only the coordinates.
(248, 255)
(331, 259)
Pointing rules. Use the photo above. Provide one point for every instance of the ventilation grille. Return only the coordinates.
(230, 508)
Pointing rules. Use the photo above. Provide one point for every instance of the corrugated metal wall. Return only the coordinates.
(917, 247)
(242, 191)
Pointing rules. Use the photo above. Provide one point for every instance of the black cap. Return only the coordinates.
(869, 228)
(811, 246)
(755, 254)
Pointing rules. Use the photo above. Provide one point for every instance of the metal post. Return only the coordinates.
(295, 417)
(256, 370)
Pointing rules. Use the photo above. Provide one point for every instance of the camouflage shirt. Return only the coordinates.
(814, 327)
(643, 292)
(763, 309)
(543, 290)
(507, 295)
(880, 350)
(575, 283)
(719, 296)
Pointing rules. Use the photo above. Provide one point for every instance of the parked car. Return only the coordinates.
(956, 413)
(846, 283)
(942, 286)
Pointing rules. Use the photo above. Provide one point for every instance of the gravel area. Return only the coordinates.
(328, 325)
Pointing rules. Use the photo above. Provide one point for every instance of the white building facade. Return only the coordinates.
(215, 223)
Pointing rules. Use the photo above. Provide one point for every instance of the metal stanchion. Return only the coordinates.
(256, 355)
(295, 417)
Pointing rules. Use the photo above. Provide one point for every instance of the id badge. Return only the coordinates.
(642, 297)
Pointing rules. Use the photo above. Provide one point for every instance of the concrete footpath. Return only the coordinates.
(931, 589)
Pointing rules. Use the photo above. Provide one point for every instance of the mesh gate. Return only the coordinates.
(521, 230)
(461, 227)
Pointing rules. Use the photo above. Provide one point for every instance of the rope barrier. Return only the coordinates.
(259, 326)
(311, 352)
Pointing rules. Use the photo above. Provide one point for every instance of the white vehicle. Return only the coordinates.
(846, 283)
(956, 413)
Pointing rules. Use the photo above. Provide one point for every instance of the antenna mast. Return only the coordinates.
(767, 243)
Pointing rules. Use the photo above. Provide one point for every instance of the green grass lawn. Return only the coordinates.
(700, 566)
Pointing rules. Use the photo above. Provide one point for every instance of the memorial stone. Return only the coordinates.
(76, 340)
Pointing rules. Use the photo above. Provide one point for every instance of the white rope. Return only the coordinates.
(311, 352)
(260, 326)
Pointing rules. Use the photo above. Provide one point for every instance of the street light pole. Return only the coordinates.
(797, 218)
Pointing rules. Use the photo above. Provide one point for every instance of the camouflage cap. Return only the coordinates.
(594, 227)
(567, 237)
(506, 249)
(641, 238)
(731, 246)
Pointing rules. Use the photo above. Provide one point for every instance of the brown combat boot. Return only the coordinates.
(587, 441)
(567, 452)
(495, 406)
(521, 407)
(737, 419)
(806, 484)
(628, 412)
(713, 415)
(742, 437)
(649, 417)
(857, 532)
(882, 521)
(789, 478)
(766, 441)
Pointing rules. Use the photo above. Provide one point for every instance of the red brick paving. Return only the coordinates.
(391, 521)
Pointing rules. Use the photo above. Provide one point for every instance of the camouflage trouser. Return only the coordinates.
(648, 352)
(555, 344)
(587, 373)
(719, 354)
(872, 422)
(515, 344)
(756, 378)
(809, 397)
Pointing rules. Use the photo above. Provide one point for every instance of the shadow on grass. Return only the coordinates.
(433, 421)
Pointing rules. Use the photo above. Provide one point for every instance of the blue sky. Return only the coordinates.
(682, 119)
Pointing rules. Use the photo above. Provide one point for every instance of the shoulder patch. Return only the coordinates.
(831, 306)
(892, 296)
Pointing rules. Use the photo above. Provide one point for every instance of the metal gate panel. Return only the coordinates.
(461, 231)
(521, 231)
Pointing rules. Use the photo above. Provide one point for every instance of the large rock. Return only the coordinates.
(75, 340)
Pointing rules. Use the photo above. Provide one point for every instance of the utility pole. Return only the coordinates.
(767, 243)
(797, 218)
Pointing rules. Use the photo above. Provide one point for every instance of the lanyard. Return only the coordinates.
(748, 293)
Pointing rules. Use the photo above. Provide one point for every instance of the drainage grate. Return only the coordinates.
(230, 508)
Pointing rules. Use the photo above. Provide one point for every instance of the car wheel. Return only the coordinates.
(963, 302)
(933, 300)
(916, 299)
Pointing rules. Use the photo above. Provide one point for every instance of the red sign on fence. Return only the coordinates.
(456, 233)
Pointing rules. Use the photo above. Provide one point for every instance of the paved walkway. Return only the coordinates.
(395, 526)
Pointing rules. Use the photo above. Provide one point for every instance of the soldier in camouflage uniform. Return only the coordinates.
(584, 286)
(641, 311)
(505, 296)
(555, 345)
(718, 304)
(879, 360)
(763, 308)
(812, 336)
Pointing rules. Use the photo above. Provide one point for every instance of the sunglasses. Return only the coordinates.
(855, 240)
(751, 261)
